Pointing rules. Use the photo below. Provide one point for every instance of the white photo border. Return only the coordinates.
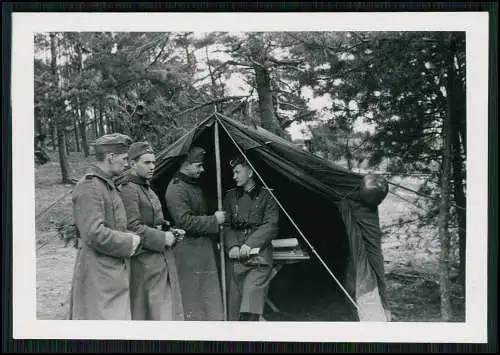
(25, 323)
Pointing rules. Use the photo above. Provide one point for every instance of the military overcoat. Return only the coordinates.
(196, 254)
(154, 286)
(100, 284)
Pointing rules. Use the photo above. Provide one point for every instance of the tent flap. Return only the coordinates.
(300, 176)
(366, 266)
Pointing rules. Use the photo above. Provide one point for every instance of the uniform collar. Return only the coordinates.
(138, 180)
(187, 179)
(96, 171)
(252, 193)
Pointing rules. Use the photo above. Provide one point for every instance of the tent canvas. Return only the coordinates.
(321, 198)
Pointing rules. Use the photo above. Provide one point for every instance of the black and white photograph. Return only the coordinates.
(288, 177)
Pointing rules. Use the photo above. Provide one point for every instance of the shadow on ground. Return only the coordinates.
(308, 294)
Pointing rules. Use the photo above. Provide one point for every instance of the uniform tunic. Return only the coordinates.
(254, 221)
(195, 254)
(154, 288)
(100, 285)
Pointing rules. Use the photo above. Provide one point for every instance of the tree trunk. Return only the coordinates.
(94, 123)
(460, 201)
(83, 128)
(38, 125)
(109, 124)
(460, 105)
(57, 114)
(444, 237)
(459, 143)
(348, 154)
(110, 121)
(101, 119)
(63, 159)
(75, 128)
(82, 110)
(85, 144)
(68, 142)
(458, 150)
(265, 98)
(53, 134)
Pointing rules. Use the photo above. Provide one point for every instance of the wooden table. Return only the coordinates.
(282, 258)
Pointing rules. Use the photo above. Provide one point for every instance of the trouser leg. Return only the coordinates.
(254, 289)
(233, 292)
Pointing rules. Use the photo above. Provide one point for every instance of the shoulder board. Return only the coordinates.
(90, 176)
(232, 189)
(83, 179)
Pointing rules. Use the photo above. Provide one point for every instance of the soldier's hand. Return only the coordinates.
(169, 239)
(221, 216)
(244, 251)
(178, 233)
(234, 253)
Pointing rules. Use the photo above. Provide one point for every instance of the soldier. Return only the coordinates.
(195, 255)
(100, 286)
(154, 288)
(252, 225)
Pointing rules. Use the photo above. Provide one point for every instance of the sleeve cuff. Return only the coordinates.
(230, 246)
(135, 245)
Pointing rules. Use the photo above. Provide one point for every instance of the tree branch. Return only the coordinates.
(255, 63)
(290, 67)
(363, 142)
(233, 49)
(292, 105)
(220, 67)
(296, 118)
(159, 54)
(292, 89)
(333, 51)
(148, 45)
(242, 102)
(211, 102)
(285, 62)
(233, 62)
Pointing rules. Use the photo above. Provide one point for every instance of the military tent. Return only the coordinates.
(320, 199)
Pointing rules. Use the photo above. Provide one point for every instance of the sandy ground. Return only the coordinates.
(53, 278)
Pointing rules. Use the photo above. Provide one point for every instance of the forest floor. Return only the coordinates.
(411, 263)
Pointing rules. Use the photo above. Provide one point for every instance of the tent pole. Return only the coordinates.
(221, 231)
(289, 217)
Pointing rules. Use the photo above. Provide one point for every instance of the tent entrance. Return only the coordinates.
(305, 290)
(313, 193)
(298, 289)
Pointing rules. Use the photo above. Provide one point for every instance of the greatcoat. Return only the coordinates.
(154, 286)
(100, 284)
(195, 255)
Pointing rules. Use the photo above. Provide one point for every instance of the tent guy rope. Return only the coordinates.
(288, 216)
(423, 195)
